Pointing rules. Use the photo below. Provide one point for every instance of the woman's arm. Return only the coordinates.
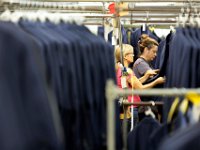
(148, 74)
(136, 84)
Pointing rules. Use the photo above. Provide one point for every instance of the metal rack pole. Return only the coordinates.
(142, 103)
(120, 0)
(112, 92)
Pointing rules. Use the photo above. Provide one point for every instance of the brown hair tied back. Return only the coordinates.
(146, 41)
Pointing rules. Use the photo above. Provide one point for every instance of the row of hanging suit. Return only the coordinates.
(183, 72)
(178, 60)
(53, 86)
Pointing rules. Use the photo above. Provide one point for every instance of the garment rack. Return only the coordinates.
(150, 103)
(101, 12)
(120, 0)
(112, 92)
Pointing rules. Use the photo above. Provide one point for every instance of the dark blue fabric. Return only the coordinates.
(195, 57)
(70, 90)
(155, 36)
(100, 32)
(118, 136)
(103, 53)
(198, 60)
(157, 137)
(69, 55)
(78, 72)
(29, 124)
(185, 74)
(72, 80)
(182, 72)
(135, 114)
(138, 138)
(159, 54)
(183, 139)
(164, 57)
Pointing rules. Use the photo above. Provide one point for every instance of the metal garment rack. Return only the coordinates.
(88, 12)
(162, 15)
(112, 92)
(120, 0)
(142, 103)
(125, 104)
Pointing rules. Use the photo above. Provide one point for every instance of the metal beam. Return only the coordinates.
(121, 1)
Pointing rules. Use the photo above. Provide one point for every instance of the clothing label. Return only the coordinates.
(116, 32)
(123, 82)
(143, 27)
(196, 113)
(114, 40)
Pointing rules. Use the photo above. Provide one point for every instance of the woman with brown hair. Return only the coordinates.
(148, 49)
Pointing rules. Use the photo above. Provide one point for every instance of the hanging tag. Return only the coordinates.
(116, 32)
(196, 113)
(143, 27)
(123, 82)
(114, 40)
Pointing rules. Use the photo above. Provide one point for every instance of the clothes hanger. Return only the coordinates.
(192, 20)
(5, 16)
(177, 21)
(180, 18)
(195, 17)
(173, 109)
(41, 16)
(198, 20)
(172, 29)
(185, 20)
(16, 16)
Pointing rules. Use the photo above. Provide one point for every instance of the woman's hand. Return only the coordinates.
(151, 73)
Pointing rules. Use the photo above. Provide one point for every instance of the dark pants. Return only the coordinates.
(135, 116)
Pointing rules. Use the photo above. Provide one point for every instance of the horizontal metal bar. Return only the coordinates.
(93, 23)
(153, 21)
(134, 16)
(121, 0)
(158, 92)
(156, 25)
(161, 25)
(114, 90)
(142, 15)
(142, 103)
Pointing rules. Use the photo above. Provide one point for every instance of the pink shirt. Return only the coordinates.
(136, 98)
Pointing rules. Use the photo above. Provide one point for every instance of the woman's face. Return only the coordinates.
(129, 56)
(152, 53)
